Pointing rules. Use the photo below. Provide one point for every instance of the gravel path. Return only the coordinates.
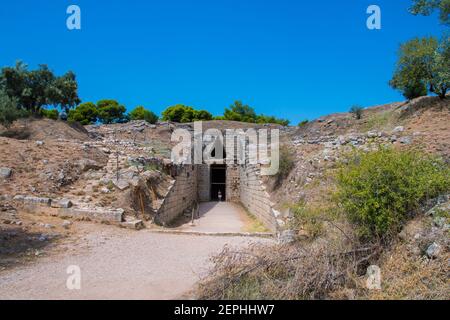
(119, 264)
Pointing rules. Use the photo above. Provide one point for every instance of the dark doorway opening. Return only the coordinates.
(218, 182)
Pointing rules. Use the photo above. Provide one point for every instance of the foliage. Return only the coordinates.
(182, 114)
(309, 219)
(240, 112)
(85, 113)
(37, 88)
(271, 119)
(286, 164)
(50, 114)
(244, 113)
(110, 111)
(357, 111)
(140, 113)
(303, 123)
(414, 90)
(426, 7)
(377, 190)
(9, 111)
(423, 62)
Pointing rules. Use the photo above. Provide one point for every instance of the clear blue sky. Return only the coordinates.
(290, 58)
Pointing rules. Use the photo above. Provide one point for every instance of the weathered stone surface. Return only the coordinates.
(398, 129)
(62, 203)
(88, 164)
(95, 213)
(66, 224)
(5, 173)
(133, 224)
(286, 236)
(33, 200)
(434, 250)
(121, 184)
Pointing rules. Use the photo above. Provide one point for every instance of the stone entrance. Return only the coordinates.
(218, 184)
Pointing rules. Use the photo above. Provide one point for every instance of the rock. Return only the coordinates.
(286, 236)
(439, 222)
(33, 200)
(372, 134)
(39, 143)
(121, 184)
(62, 203)
(5, 173)
(88, 164)
(398, 129)
(104, 190)
(405, 140)
(66, 224)
(434, 250)
(133, 224)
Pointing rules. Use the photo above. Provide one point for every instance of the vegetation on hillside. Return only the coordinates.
(244, 113)
(35, 89)
(379, 190)
(182, 114)
(374, 197)
(140, 113)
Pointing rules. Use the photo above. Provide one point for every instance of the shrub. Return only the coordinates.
(357, 111)
(414, 91)
(110, 111)
(140, 113)
(286, 164)
(303, 123)
(85, 113)
(379, 189)
(309, 219)
(50, 114)
(9, 111)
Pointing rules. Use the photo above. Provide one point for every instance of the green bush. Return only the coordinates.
(380, 189)
(140, 113)
(9, 111)
(50, 114)
(357, 111)
(181, 113)
(303, 123)
(86, 113)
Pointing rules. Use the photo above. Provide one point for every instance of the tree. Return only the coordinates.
(110, 111)
(422, 62)
(37, 88)
(202, 115)
(50, 114)
(86, 113)
(9, 111)
(240, 112)
(179, 113)
(140, 113)
(357, 111)
(441, 68)
(427, 7)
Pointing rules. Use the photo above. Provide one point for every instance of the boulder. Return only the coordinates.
(286, 236)
(398, 129)
(133, 224)
(88, 164)
(434, 250)
(5, 173)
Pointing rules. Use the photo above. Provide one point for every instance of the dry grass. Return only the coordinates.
(405, 276)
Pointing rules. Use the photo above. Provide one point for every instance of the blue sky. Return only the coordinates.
(290, 58)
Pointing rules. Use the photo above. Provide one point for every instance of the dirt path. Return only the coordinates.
(119, 264)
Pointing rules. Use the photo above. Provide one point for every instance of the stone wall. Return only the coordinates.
(203, 176)
(254, 197)
(233, 183)
(181, 196)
